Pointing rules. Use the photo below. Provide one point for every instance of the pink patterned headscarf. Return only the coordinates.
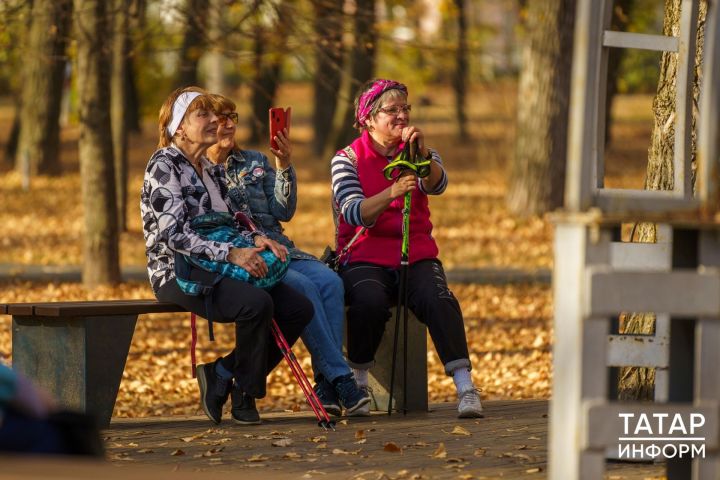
(370, 96)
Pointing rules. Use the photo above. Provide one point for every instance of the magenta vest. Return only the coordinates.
(381, 243)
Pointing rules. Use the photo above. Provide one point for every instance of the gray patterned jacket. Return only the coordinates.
(172, 195)
(268, 197)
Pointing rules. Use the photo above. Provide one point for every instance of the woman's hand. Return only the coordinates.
(407, 182)
(279, 250)
(410, 134)
(249, 259)
(282, 154)
(372, 207)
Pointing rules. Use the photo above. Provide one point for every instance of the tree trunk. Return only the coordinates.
(270, 45)
(461, 72)
(215, 58)
(44, 62)
(12, 143)
(193, 42)
(118, 105)
(538, 168)
(136, 24)
(362, 68)
(329, 54)
(638, 383)
(620, 18)
(100, 246)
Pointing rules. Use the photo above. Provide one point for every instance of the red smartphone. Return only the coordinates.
(279, 119)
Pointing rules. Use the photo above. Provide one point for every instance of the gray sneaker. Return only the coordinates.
(354, 399)
(469, 405)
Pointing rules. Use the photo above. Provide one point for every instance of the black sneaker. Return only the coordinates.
(243, 409)
(327, 396)
(355, 400)
(214, 391)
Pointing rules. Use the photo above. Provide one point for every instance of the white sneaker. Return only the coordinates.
(469, 405)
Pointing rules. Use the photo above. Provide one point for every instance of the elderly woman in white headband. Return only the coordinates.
(181, 184)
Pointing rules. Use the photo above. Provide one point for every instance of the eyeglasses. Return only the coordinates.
(224, 117)
(395, 109)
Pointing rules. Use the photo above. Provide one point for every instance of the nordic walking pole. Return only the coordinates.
(405, 161)
(310, 395)
(402, 301)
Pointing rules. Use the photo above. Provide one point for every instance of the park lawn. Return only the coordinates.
(509, 327)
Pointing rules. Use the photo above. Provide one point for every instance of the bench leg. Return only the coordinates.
(80, 360)
(417, 367)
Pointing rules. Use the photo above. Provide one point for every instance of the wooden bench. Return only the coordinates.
(77, 351)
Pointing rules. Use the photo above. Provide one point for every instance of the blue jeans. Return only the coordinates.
(323, 336)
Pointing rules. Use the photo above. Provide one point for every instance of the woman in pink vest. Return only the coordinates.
(370, 267)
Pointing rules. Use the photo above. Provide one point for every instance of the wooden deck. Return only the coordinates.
(510, 442)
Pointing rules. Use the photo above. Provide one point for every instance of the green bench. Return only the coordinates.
(77, 351)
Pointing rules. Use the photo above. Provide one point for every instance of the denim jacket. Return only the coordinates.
(269, 198)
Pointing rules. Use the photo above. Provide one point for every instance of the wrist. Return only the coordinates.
(282, 164)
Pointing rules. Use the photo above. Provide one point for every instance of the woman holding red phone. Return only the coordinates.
(269, 196)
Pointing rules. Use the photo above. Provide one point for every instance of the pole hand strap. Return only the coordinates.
(409, 158)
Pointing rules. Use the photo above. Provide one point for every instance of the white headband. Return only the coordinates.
(182, 102)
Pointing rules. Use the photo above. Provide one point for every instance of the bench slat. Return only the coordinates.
(118, 307)
(91, 308)
(19, 308)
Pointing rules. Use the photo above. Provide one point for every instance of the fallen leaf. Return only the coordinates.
(283, 442)
(340, 451)
(466, 476)
(177, 453)
(458, 430)
(370, 475)
(479, 452)
(258, 457)
(292, 455)
(146, 450)
(132, 444)
(210, 453)
(192, 438)
(521, 447)
(310, 473)
(318, 439)
(361, 441)
(360, 434)
(455, 460)
(533, 470)
(440, 452)
(392, 447)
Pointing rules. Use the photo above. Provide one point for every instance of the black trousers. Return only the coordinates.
(252, 310)
(370, 292)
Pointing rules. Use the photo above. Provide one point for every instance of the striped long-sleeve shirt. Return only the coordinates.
(348, 192)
